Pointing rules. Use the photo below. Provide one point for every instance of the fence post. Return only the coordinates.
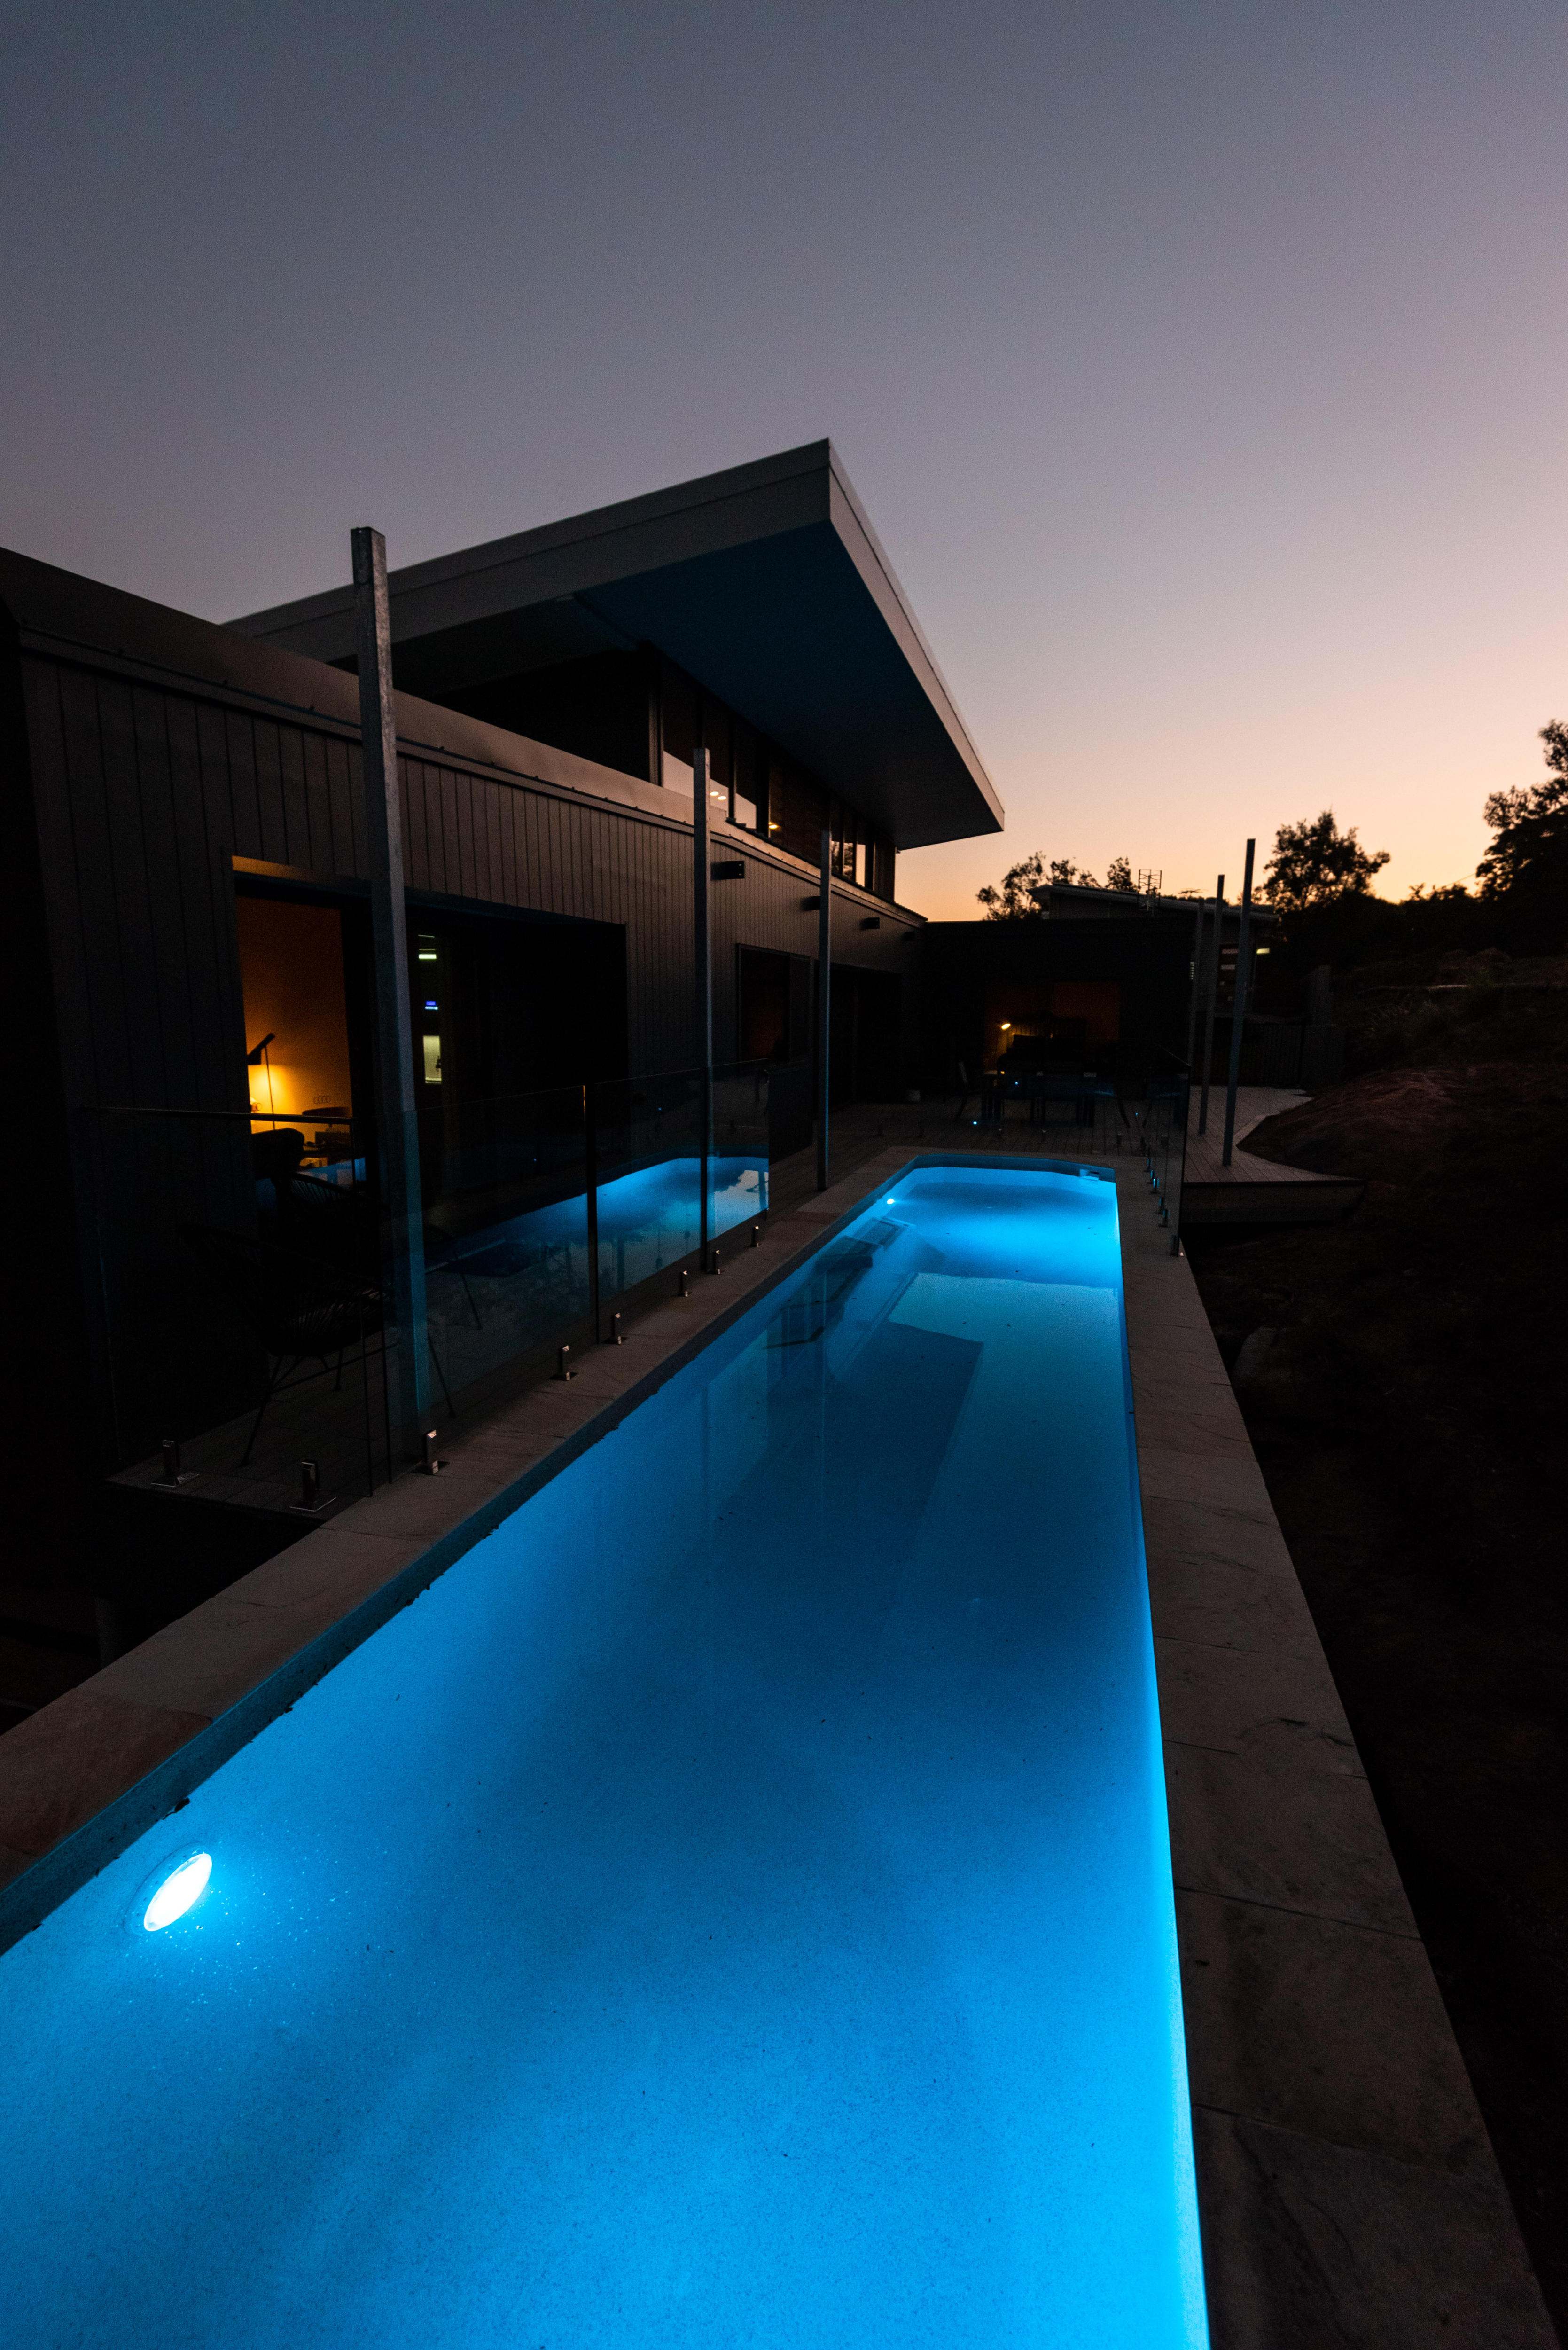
(591, 1171)
(1239, 1003)
(1213, 991)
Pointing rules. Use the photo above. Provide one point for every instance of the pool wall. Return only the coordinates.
(1347, 2187)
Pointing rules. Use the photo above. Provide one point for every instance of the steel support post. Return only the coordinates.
(1194, 999)
(823, 987)
(404, 1332)
(702, 963)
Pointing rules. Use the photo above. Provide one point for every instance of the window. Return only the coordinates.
(296, 1019)
(744, 794)
(797, 810)
(676, 729)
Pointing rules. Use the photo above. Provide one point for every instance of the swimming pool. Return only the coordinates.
(733, 1905)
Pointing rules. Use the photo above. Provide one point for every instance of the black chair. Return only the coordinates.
(336, 1225)
(296, 1309)
(329, 1225)
(276, 1154)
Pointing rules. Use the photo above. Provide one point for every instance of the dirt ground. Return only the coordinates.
(1404, 1383)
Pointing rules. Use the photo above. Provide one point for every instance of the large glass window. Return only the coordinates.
(297, 1020)
(754, 784)
(797, 809)
(744, 792)
(678, 729)
(717, 733)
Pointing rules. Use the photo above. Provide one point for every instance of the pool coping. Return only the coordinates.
(1347, 2189)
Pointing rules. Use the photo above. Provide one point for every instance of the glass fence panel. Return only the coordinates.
(245, 1335)
(504, 1181)
(739, 1170)
(249, 1295)
(649, 1138)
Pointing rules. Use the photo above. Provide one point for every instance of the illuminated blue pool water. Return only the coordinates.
(732, 1905)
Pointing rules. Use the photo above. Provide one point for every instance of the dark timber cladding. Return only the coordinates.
(158, 749)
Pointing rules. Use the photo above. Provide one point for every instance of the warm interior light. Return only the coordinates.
(181, 1890)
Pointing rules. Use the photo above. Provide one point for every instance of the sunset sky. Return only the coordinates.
(1204, 368)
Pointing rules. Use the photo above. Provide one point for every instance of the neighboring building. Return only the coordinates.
(185, 821)
(1099, 979)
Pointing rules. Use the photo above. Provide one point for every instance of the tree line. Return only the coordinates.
(1524, 873)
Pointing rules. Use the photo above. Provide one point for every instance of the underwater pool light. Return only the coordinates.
(181, 1890)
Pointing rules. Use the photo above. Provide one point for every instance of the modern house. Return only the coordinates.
(185, 807)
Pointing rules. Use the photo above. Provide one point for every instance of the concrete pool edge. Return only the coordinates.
(1347, 2191)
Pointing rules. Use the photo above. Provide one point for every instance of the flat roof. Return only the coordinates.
(765, 582)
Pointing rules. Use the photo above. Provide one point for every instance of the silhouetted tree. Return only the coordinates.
(1314, 863)
(1015, 901)
(1531, 822)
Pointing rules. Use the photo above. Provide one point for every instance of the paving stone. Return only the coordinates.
(1281, 1710)
(1219, 1603)
(1185, 1421)
(66, 1762)
(1329, 2029)
(205, 1662)
(1303, 1840)
(339, 1562)
(1198, 1531)
(1222, 1480)
(1313, 2246)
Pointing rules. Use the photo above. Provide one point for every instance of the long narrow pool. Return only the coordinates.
(733, 1906)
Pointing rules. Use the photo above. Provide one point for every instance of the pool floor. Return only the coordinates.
(732, 1905)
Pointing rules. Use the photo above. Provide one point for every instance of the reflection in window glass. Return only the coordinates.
(743, 790)
(797, 810)
(677, 728)
(716, 734)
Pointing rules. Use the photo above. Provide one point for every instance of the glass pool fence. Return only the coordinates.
(252, 1291)
(1091, 1119)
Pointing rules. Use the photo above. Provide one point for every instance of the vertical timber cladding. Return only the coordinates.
(148, 790)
